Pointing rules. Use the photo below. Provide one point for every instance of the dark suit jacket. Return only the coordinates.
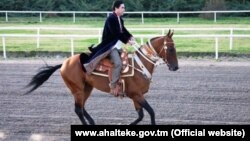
(112, 30)
(111, 34)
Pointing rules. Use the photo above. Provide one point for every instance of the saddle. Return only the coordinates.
(105, 67)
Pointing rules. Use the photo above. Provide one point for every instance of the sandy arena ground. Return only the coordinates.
(200, 92)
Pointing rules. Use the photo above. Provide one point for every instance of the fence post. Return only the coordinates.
(38, 38)
(216, 48)
(231, 39)
(142, 18)
(100, 35)
(41, 20)
(74, 17)
(215, 19)
(6, 16)
(72, 46)
(162, 32)
(4, 48)
(178, 17)
(141, 40)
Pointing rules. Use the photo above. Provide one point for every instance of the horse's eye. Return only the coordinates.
(171, 50)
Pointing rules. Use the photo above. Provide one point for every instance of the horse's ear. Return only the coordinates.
(169, 31)
(170, 34)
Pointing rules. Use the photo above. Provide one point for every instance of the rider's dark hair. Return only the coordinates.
(116, 4)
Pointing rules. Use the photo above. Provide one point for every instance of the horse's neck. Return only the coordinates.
(146, 63)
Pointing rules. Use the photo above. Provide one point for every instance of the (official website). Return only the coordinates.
(170, 132)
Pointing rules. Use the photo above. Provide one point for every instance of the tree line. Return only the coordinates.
(131, 5)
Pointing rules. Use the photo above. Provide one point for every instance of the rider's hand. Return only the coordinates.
(131, 42)
(132, 38)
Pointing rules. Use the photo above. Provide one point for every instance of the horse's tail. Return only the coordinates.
(42, 76)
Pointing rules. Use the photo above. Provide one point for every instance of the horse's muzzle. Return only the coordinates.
(173, 67)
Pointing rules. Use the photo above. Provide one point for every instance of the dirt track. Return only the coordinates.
(201, 92)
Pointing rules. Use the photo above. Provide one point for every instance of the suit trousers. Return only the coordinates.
(116, 71)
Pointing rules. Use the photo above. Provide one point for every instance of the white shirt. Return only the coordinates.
(118, 45)
(120, 25)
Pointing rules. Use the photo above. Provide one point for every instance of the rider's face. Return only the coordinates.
(119, 11)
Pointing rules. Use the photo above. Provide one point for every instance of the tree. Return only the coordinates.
(213, 5)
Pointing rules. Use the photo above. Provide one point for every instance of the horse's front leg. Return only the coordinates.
(140, 116)
(150, 110)
(140, 103)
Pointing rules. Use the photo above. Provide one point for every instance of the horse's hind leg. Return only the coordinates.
(87, 91)
(74, 78)
(79, 105)
(78, 93)
(80, 98)
(79, 113)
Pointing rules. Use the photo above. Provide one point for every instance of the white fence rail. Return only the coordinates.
(142, 13)
(141, 36)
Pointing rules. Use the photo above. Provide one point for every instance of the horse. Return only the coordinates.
(81, 84)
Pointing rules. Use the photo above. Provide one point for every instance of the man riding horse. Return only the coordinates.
(146, 58)
(113, 37)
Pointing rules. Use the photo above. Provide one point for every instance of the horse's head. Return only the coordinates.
(165, 48)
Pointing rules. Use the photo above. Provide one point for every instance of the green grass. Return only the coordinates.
(188, 45)
(134, 22)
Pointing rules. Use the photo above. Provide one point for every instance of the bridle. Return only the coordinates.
(149, 53)
(155, 57)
